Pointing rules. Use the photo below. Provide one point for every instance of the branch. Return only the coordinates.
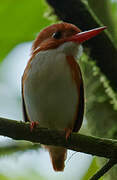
(102, 47)
(91, 145)
(104, 169)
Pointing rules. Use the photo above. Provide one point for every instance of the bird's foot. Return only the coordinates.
(68, 132)
(33, 124)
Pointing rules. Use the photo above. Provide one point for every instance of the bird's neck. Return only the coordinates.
(68, 49)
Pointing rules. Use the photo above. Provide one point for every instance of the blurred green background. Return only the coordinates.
(20, 22)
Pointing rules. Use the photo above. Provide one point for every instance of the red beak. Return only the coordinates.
(83, 36)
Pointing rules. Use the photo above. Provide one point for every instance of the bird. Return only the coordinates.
(52, 83)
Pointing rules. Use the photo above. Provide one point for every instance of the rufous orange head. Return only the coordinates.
(57, 34)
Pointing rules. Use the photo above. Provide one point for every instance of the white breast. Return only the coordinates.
(50, 94)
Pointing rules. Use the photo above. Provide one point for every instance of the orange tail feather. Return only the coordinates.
(58, 156)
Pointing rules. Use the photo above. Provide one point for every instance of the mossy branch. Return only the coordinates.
(82, 143)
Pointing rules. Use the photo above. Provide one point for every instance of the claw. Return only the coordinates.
(68, 132)
(33, 124)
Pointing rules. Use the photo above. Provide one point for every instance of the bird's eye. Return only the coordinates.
(57, 35)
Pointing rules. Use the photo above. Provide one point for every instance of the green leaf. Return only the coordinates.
(92, 170)
(20, 21)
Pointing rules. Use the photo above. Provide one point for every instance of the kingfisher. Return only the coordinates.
(52, 83)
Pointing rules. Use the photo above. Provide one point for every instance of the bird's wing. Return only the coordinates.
(80, 112)
(77, 77)
(25, 116)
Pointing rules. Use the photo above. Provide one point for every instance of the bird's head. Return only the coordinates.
(64, 37)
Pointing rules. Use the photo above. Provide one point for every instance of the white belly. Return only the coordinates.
(50, 94)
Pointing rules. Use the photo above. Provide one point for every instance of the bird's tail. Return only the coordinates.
(58, 156)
